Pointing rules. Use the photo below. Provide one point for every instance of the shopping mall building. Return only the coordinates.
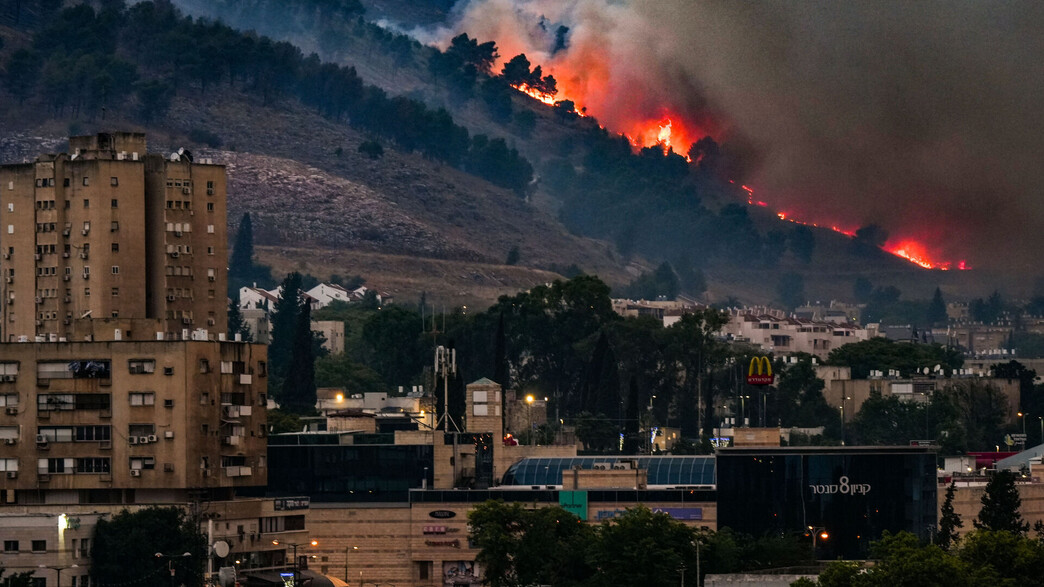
(392, 508)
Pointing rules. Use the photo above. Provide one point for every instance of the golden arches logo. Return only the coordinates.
(764, 375)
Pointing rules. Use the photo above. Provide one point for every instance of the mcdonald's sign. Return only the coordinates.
(764, 375)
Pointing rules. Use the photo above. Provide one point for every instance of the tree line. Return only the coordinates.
(84, 62)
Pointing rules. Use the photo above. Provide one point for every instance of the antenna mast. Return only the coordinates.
(445, 365)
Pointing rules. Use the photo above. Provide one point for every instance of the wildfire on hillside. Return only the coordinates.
(666, 132)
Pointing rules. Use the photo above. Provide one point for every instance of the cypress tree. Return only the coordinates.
(284, 323)
(937, 308)
(299, 394)
(949, 521)
(241, 265)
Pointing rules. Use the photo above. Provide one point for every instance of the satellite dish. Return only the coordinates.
(174, 157)
(221, 549)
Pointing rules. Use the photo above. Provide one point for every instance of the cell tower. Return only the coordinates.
(445, 365)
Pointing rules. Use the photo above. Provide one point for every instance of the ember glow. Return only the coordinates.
(910, 249)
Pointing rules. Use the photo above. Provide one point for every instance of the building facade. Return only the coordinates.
(112, 232)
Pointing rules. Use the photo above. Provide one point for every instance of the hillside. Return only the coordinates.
(290, 129)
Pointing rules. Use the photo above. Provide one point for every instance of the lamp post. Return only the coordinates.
(1041, 418)
(817, 532)
(529, 411)
(1023, 416)
(294, 545)
(170, 561)
(59, 570)
(347, 548)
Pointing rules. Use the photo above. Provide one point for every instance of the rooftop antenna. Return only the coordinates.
(445, 365)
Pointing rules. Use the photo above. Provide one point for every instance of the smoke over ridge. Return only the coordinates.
(922, 117)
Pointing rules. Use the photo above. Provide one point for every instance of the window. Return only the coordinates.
(139, 463)
(86, 181)
(141, 429)
(87, 292)
(168, 370)
(204, 366)
(92, 465)
(115, 292)
(115, 247)
(210, 250)
(210, 229)
(10, 546)
(66, 182)
(93, 433)
(86, 202)
(210, 206)
(9, 465)
(168, 403)
(210, 185)
(115, 226)
(55, 466)
(115, 269)
(8, 400)
(142, 398)
(262, 369)
(114, 181)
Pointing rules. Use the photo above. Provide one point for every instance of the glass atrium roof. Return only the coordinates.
(673, 471)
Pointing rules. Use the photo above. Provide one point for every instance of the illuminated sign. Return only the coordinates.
(442, 514)
(764, 374)
(842, 486)
(449, 543)
(292, 503)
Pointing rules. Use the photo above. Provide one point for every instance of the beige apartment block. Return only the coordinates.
(111, 232)
(130, 422)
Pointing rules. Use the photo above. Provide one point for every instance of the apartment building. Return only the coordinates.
(109, 231)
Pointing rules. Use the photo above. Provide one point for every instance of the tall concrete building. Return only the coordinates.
(118, 386)
(111, 243)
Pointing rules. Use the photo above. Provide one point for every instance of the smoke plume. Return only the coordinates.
(922, 117)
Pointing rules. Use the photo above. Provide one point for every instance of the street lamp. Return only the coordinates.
(170, 561)
(1023, 416)
(817, 532)
(347, 548)
(1041, 418)
(529, 402)
(59, 571)
(294, 545)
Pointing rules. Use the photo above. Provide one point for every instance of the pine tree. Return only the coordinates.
(284, 322)
(236, 325)
(949, 522)
(1000, 506)
(299, 394)
(241, 265)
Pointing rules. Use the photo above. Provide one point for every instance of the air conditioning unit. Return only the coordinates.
(67, 321)
(68, 299)
(600, 466)
(39, 300)
(185, 191)
(171, 298)
(174, 255)
(9, 379)
(12, 474)
(10, 441)
(168, 467)
(206, 472)
(85, 231)
(10, 280)
(132, 440)
(168, 434)
(143, 440)
(83, 254)
(41, 439)
(105, 445)
(210, 277)
(65, 232)
(10, 301)
(7, 255)
(86, 275)
(65, 255)
(37, 256)
(11, 411)
(177, 233)
(135, 472)
(153, 438)
(65, 277)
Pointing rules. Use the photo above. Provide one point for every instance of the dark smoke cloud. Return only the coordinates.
(924, 117)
